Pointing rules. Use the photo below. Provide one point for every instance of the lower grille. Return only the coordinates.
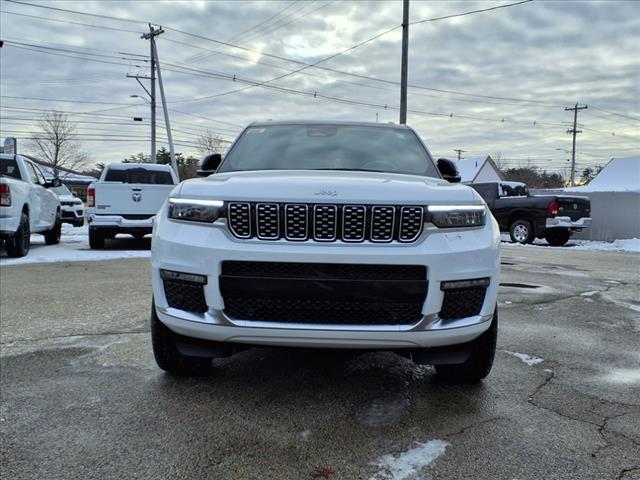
(186, 296)
(322, 311)
(318, 293)
(461, 303)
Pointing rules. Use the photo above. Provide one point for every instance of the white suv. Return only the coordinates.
(326, 235)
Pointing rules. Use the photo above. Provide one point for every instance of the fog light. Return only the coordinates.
(183, 277)
(459, 284)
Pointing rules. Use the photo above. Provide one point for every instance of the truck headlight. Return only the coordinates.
(195, 210)
(452, 216)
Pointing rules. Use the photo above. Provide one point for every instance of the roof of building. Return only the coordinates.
(470, 167)
(619, 175)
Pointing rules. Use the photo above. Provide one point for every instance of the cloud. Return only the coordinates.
(554, 52)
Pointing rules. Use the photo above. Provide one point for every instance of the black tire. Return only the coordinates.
(521, 232)
(96, 239)
(167, 355)
(18, 245)
(52, 237)
(557, 237)
(479, 363)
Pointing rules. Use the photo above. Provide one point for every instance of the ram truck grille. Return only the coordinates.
(325, 222)
(310, 293)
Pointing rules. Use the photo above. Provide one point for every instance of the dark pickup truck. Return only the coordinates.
(526, 217)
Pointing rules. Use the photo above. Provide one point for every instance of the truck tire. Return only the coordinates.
(521, 232)
(96, 239)
(479, 363)
(52, 237)
(557, 237)
(167, 355)
(18, 245)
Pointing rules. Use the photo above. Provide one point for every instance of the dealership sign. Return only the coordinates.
(10, 146)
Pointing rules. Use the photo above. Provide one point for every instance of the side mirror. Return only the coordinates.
(209, 164)
(448, 170)
(56, 182)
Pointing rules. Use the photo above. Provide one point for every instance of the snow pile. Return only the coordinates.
(409, 464)
(619, 175)
(622, 245)
(73, 247)
(528, 359)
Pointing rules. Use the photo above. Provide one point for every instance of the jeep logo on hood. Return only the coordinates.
(328, 193)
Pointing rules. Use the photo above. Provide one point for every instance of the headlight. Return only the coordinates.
(195, 210)
(451, 216)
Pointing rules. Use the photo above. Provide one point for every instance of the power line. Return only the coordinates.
(435, 19)
(279, 57)
(617, 114)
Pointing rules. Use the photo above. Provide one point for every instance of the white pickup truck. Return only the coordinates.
(126, 199)
(26, 205)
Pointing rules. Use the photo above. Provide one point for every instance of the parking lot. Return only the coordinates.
(83, 398)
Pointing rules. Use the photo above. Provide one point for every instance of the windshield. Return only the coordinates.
(61, 190)
(329, 147)
(9, 168)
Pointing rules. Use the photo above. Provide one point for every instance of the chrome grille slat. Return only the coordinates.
(382, 222)
(268, 221)
(325, 222)
(296, 221)
(239, 217)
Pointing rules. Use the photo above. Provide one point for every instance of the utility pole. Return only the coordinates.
(153, 33)
(405, 62)
(574, 131)
(174, 164)
(459, 153)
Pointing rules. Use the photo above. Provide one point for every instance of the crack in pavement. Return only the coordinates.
(601, 427)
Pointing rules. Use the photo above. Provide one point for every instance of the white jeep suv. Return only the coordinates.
(326, 235)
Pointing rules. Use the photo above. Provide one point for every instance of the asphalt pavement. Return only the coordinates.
(81, 397)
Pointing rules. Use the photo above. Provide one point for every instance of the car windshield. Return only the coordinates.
(330, 147)
(62, 190)
(139, 175)
(9, 168)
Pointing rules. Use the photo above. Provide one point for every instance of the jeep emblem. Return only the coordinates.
(136, 197)
(328, 193)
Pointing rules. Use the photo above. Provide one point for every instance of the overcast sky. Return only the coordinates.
(551, 54)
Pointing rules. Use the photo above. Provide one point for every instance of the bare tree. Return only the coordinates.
(56, 144)
(210, 142)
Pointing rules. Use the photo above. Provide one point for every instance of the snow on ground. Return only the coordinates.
(409, 464)
(74, 247)
(625, 245)
(530, 360)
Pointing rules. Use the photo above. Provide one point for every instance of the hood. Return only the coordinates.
(308, 186)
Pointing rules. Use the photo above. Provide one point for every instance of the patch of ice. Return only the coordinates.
(507, 302)
(384, 411)
(409, 464)
(528, 359)
(624, 375)
(589, 294)
(305, 435)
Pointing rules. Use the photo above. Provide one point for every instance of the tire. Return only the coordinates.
(557, 237)
(96, 239)
(52, 237)
(479, 363)
(167, 355)
(18, 245)
(521, 232)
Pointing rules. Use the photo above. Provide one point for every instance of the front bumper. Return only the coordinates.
(566, 222)
(451, 255)
(73, 214)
